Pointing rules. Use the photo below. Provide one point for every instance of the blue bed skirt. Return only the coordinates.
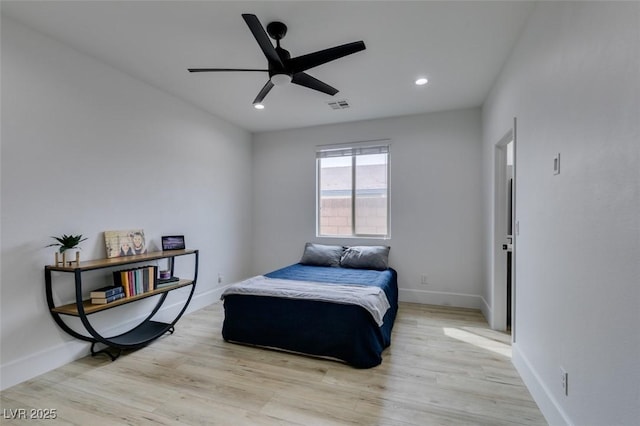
(344, 332)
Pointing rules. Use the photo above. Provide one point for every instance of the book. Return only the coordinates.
(136, 280)
(145, 278)
(120, 278)
(105, 292)
(160, 283)
(152, 272)
(105, 300)
(132, 282)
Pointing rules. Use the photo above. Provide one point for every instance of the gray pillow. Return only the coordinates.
(366, 257)
(321, 255)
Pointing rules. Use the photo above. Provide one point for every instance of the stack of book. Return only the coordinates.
(164, 282)
(136, 281)
(104, 295)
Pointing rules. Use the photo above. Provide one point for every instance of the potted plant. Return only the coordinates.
(67, 242)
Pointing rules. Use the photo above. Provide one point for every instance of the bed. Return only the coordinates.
(347, 330)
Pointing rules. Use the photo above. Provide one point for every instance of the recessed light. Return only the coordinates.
(258, 106)
(421, 81)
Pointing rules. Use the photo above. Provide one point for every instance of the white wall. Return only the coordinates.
(86, 148)
(436, 200)
(573, 82)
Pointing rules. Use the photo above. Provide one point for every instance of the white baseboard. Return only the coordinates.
(441, 298)
(486, 311)
(551, 410)
(20, 370)
(33, 365)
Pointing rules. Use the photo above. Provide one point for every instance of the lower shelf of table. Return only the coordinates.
(142, 334)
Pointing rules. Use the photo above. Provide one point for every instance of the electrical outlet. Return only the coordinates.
(423, 280)
(564, 377)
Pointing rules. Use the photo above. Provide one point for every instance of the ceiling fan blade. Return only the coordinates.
(262, 38)
(223, 69)
(304, 79)
(267, 87)
(305, 62)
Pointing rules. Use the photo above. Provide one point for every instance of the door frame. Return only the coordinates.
(499, 287)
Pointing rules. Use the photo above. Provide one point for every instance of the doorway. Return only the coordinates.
(505, 231)
(507, 246)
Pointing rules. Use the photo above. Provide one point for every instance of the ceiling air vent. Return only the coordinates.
(342, 104)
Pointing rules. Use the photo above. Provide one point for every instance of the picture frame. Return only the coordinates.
(125, 243)
(173, 242)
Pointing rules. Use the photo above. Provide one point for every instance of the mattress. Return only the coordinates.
(315, 327)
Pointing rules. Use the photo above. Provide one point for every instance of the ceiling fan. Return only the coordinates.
(283, 68)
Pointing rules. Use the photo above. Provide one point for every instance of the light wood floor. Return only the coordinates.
(444, 367)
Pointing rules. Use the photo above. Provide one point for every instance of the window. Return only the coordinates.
(353, 190)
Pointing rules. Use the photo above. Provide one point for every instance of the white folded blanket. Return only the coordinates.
(371, 298)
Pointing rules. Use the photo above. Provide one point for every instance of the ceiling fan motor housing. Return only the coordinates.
(276, 30)
(279, 75)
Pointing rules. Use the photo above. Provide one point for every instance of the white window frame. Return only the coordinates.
(382, 146)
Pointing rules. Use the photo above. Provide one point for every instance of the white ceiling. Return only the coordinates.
(460, 46)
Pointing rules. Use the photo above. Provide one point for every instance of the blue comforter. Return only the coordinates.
(345, 332)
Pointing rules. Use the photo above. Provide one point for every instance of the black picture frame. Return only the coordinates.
(173, 242)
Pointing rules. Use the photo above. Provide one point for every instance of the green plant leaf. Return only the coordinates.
(67, 242)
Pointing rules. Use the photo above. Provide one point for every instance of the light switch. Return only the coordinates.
(556, 164)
